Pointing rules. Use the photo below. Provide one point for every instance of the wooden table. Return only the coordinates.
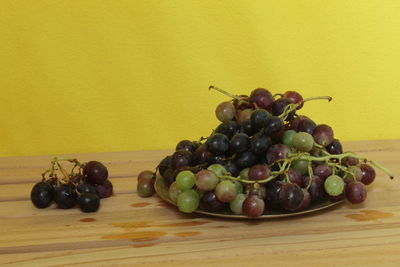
(131, 230)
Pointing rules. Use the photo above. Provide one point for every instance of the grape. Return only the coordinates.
(303, 141)
(41, 195)
(287, 138)
(368, 174)
(225, 191)
(295, 177)
(272, 190)
(185, 180)
(279, 106)
(218, 169)
(334, 185)
(240, 142)
(294, 124)
(253, 206)
(335, 147)
(106, 189)
(294, 97)
(259, 172)
(274, 125)
(259, 118)
(260, 143)
(316, 188)
(306, 200)
(245, 160)
(225, 111)
(354, 175)
(164, 165)
(231, 168)
(350, 161)
(210, 202)
(186, 145)
(244, 174)
(89, 202)
(145, 187)
(323, 134)
(181, 158)
(188, 201)
(306, 125)
(65, 196)
(173, 192)
(261, 97)
(239, 186)
(201, 155)
(206, 180)
(169, 176)
(218, 144)
(291, 196)
(145, 175)
(262, 192)
(300, 165)
(356, 192)
(244, 115)
(276, 152)
(95, 172)
(86, 188)
(212, 159)
(236, 205)
(323, 171)
(247, 128)
(227, 128)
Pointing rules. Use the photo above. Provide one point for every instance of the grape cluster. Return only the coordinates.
(263, 157)
(84, 185)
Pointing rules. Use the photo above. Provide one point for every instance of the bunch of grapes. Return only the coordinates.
(262, 158)
(84, 185)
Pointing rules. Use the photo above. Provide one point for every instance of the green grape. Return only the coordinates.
(287, 138)
(173, 192)
(303, 142)
(188, 201)
(185, 180)
(334, 185)
(236, 205)
(239, 186)
(244, 174)
(218, 169)
(300, 165)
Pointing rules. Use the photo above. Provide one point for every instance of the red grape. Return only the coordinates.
(368, 174)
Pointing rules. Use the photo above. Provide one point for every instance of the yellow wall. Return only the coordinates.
(96, 75)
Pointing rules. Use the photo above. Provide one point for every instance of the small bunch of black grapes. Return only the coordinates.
(84, 185)
(263, 158)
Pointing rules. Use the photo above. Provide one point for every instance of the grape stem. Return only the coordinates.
(225, 92)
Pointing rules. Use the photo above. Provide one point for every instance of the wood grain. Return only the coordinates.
(129, 230)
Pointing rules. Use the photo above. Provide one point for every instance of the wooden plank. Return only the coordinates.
(131, 230)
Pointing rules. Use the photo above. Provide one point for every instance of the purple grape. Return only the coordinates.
(259, 172)
(95, 172)
(368, 174)
(291, 196)
(323, 134)
(210, 202)
(323, 171)
(262, 98)
(356, 192)
(276, 152)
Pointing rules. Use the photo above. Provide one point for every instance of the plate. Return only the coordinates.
(162, 190)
